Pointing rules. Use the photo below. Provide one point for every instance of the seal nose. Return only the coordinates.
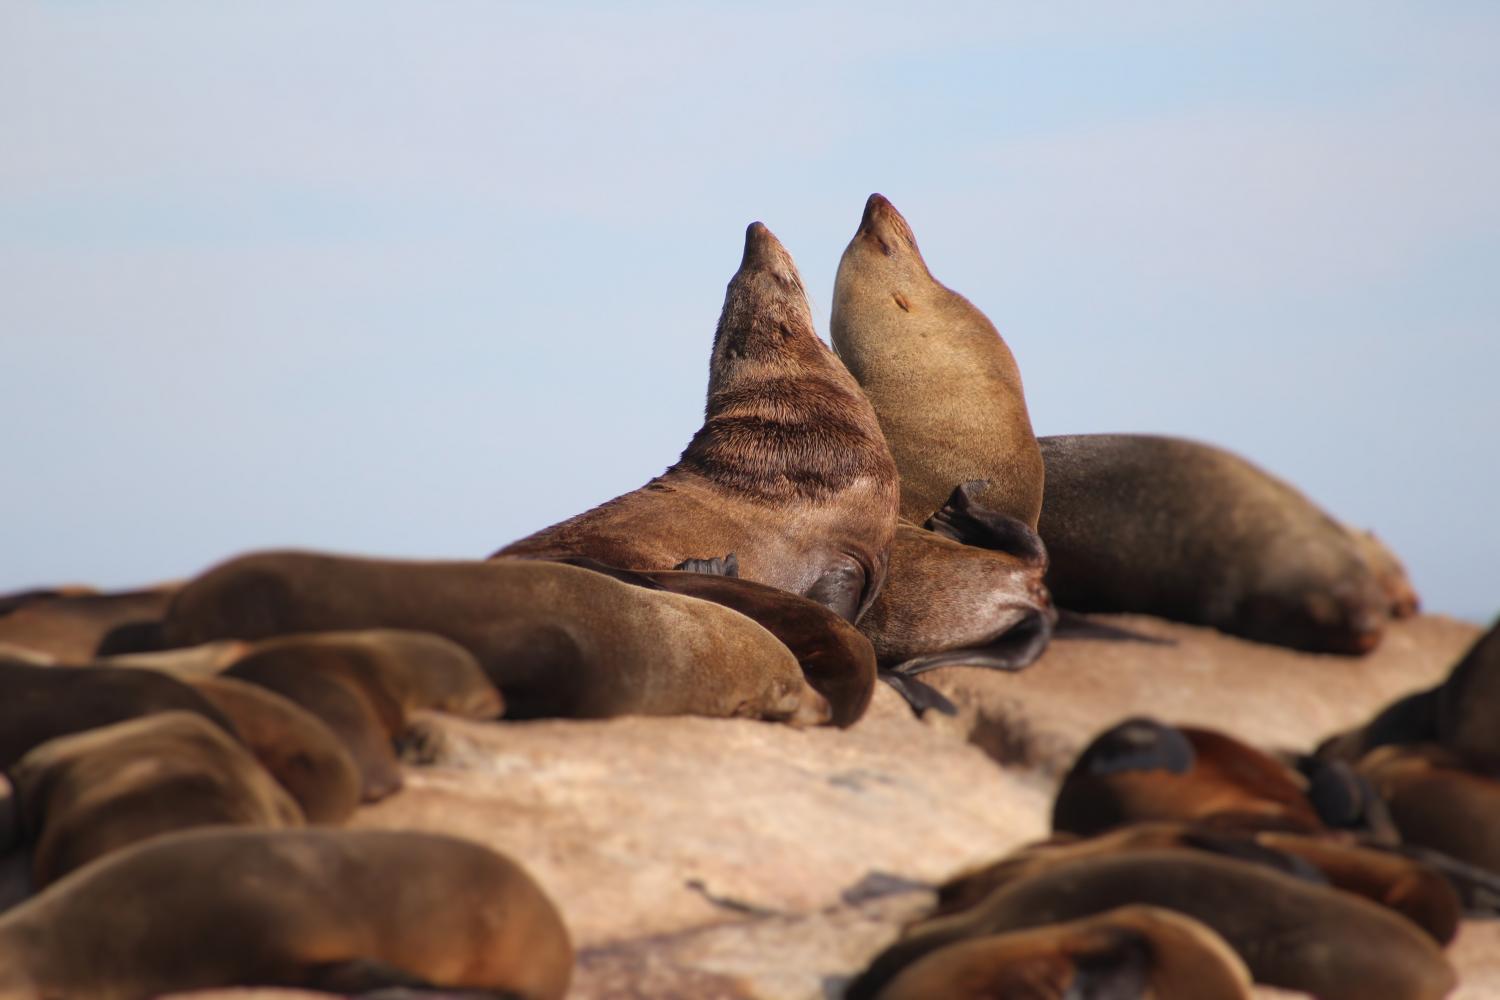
(763, 251)
(877, 206)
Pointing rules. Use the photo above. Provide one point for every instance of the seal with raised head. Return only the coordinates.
(342, 911)
(295, 746)
(1130, 953)
(1290, 933)
(557, 640)
(41, 703)
(944, 384)
(789, 471)
(1181, 530)
(90, 794)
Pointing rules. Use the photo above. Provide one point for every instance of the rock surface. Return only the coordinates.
(705, 859)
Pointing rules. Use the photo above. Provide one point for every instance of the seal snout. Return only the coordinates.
(885, 227)
(763, 251)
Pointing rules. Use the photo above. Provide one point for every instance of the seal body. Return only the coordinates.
(944, 384)
(1182, 530)
(1437, 804)
(344, 911)
(557, 640)
(1133, 951)
(789, 471)
(89, 794)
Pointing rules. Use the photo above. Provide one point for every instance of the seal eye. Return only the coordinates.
(901, 301)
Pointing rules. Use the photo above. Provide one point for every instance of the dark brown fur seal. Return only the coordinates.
(1415, 890)
(1290, 933)
(295, 746)
(1438, 805)
(943, 383)
(1130, 953)
(1142, 769)
(981, 603)
(789, 471)
(342, 911)
(556, 640)
(1182, 530)
(89, 794)
(41, 703)
(71, 626)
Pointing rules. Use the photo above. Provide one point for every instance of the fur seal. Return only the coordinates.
(1290, 933)
(557, 640)
(1132, 952)
(41, 703)
(1142, 769)
(71, 626)
(295, 746)
(1389, 572)
(1415, 890)
(943, 383)
(789, 470)
(16, 600)
(1436, 804)
(836, 658)
(90, 794)
(1186, 531)
(980, 603)
(364, 716)
(344, 911)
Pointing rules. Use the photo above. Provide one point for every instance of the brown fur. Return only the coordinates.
(1133, 951)
(343, 911)
(1290, 933)
(1389, 573)
(556, 640)
(789, 471)
(89, 794)
(1437, 804)
(70, 626)
(1186, 531)
(944, 384)
(295, 746)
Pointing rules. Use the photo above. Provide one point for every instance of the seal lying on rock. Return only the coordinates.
(1186, 531)
(944, 385)
(71, 625)
(556, 640)
(342, 911)
(789, 471)
(90, 794)
(1131, 953)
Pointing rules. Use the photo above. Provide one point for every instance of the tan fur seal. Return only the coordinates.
(944, 384)
(344, 911)
(1130, 953)
(41, 703)
(981, 603)
(1186, 531)
(71, 626)
(90, 794)
(1437, 804)
(836, 658)
(295, 746)
(16, 600)
(1409, 887)
(789, 471)
(1142, 769)
(1290, 933)
(556, 640)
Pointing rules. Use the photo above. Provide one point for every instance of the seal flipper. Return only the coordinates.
(844, 590)
(355, 976)
(728, 565)
(1015, 649)
(1074, 625)
(919, 694)
(964, 519)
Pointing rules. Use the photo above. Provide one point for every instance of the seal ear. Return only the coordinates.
(728, 565)
(964, 519)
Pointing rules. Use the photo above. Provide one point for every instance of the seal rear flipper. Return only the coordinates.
(1015, 649)
(728, 565)
(1075, 625)
(964, 519)
(918, 694)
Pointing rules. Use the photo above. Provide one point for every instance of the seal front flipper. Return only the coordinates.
(965, 519)
(918, 694)
(1073, 625)
(845, 590)
(728, 565)
(1015, 649)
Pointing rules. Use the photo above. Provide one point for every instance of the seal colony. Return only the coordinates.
(179, 758)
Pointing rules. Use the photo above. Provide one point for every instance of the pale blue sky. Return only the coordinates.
(418, 278)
